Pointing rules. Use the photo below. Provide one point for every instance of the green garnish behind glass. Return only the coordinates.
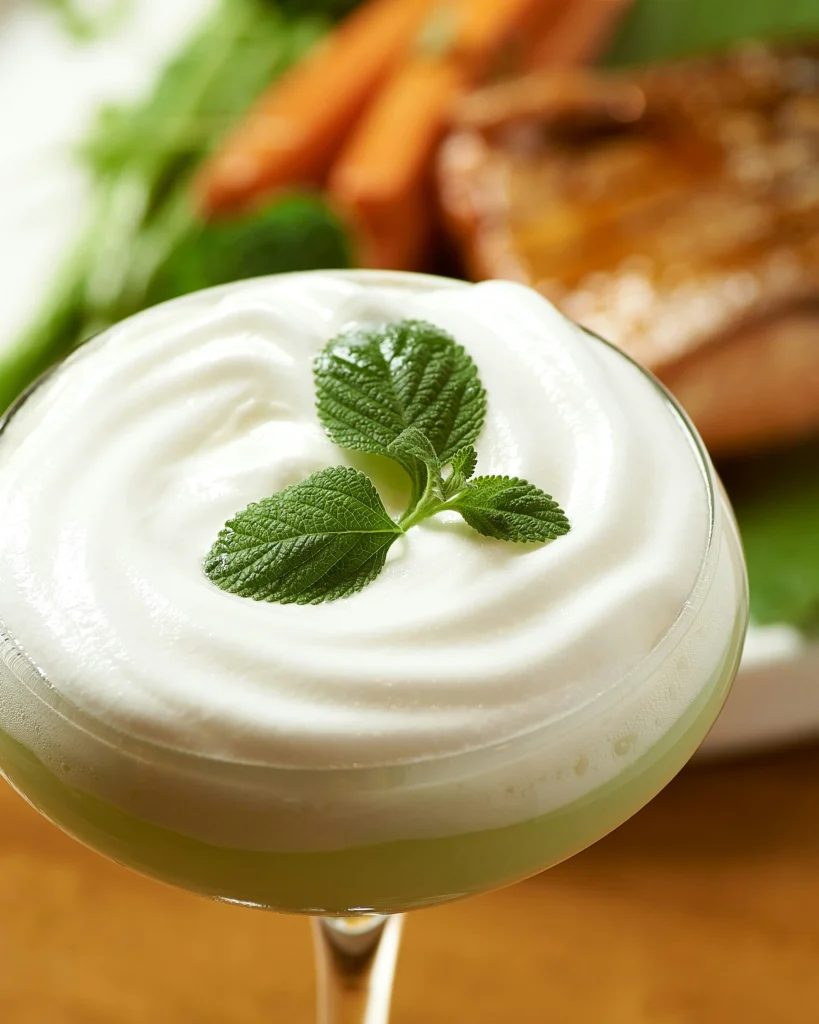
(408, 392)
(144, 241)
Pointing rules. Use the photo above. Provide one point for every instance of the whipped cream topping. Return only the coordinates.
(119, 471)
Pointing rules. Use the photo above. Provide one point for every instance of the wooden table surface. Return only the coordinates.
(704, 909)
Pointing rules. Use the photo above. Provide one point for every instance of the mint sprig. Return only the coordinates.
(407, 391)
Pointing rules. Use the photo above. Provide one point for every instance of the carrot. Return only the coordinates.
(486, 26)
(575, 36)
(294, 130)
(380, 180)
(580, 34)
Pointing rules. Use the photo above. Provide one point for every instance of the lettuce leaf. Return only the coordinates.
(776, 500)
(658, 29)
(142, 157)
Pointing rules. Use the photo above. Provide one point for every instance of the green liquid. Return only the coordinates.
(387, 877)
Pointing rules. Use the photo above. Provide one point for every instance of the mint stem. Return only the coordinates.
(426, 506)
(429, 504)
(451, 504)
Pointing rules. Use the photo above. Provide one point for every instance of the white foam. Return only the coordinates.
(370, 718)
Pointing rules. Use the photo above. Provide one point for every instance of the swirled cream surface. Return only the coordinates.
(119, 471)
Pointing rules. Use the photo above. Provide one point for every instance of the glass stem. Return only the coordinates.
(355, 963)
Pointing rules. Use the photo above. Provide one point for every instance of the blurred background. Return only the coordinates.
(650, 166)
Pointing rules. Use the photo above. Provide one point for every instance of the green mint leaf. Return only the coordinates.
(324, 538)
(464, 462)
(510, 509)
(373, 384)
(413, 450)
(414, 442)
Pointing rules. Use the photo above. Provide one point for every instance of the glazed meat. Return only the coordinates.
(673, 210)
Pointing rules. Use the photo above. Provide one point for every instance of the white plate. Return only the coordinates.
(775, 699)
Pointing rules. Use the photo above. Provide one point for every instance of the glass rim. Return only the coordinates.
(609, 696)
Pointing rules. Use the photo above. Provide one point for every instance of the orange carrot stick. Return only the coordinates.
(294, 130)
(379, 180)
(580, 34)
(486, 26)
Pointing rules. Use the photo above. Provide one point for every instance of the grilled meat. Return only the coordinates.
(674, 210)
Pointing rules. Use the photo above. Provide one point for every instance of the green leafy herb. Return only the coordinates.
(510, 509)
(319, 540)
(144, 241)
(464, 462)
(407, 391)
(84, 26)
(654, 30)
(297, 232)
(334, 9)
(776, 496)
(414, 443)
(372, 385)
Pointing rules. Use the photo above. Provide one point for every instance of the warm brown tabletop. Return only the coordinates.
(704, 909)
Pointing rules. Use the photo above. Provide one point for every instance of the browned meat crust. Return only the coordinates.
(674, 210)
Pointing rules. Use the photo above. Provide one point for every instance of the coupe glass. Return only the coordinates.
(356, 894)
